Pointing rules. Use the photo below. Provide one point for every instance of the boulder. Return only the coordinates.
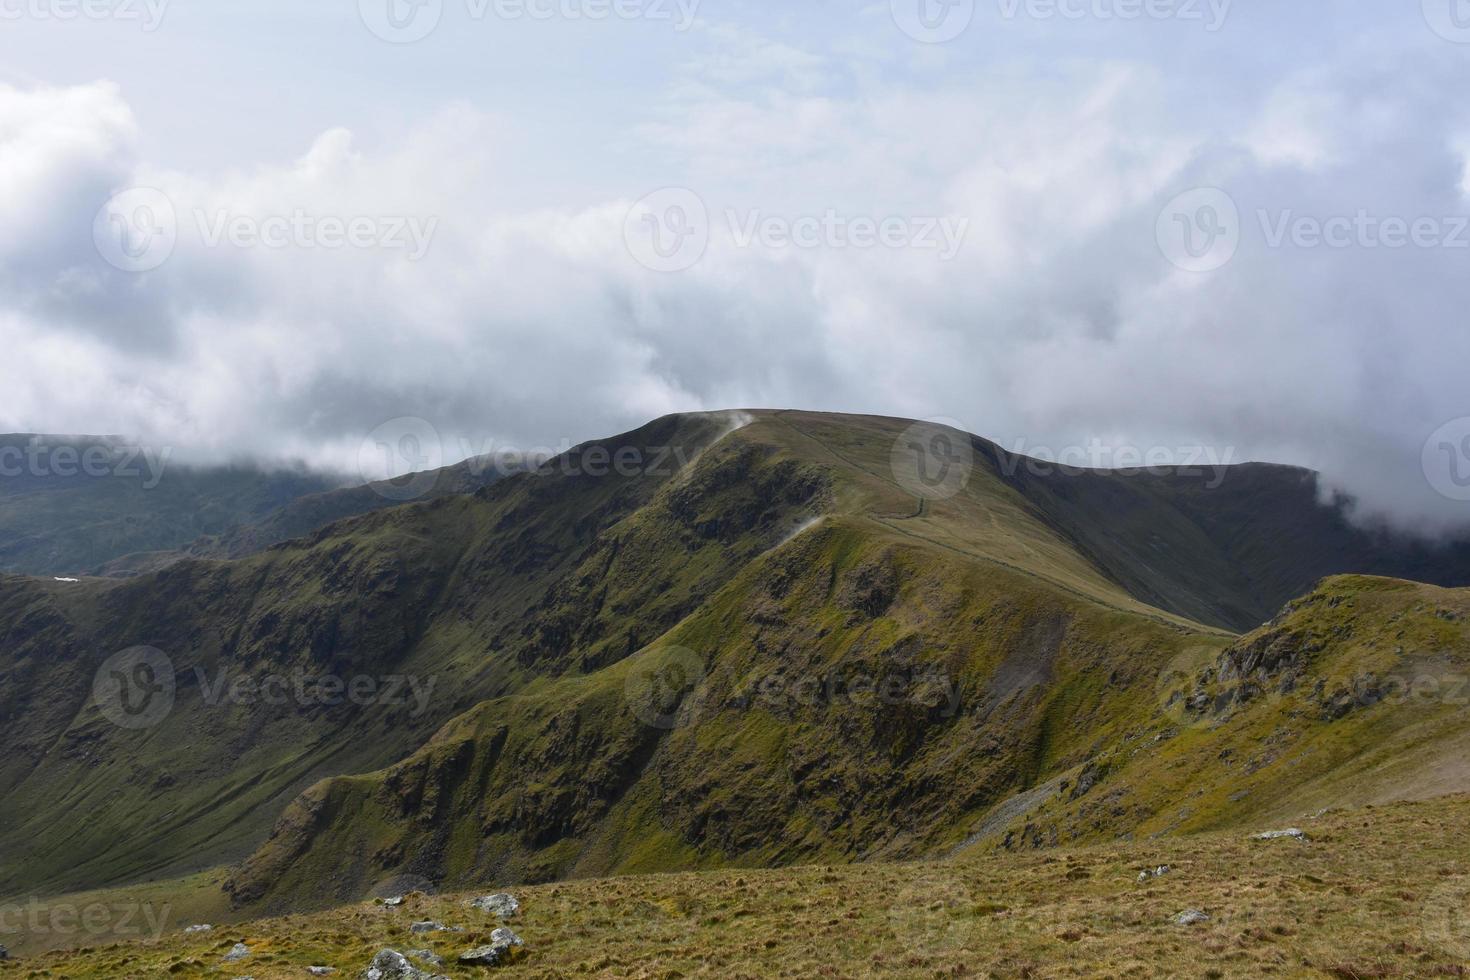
(501, 905)
(390, 964)
(501, 949)
(1290, 832)
(1189, 917)
(237, 953)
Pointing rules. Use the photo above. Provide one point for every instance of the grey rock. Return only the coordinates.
(502, 941)
(237, 953)
(1189, 917)
(1158, 872)
(390, 964)
(321, 971)
(202, 927)
(428, 925)
(393, 902)
(427, 956)
(502, 905)
(1290, 832)
(4, 953)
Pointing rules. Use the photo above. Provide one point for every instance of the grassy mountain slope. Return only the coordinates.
(1357, 693)
(1373, 893)
(1017, 665)
(460, 593)
(1228, 548)
(720, 588)
(568, 776)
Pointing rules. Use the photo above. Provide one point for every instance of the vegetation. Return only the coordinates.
(756, 648)
(1377, 892)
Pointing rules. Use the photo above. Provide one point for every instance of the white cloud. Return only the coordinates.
(1059, 319)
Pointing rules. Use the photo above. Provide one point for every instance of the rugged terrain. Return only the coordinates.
(765, 639)
(1377, 892)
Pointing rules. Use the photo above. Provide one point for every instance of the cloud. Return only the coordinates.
(1059, 320)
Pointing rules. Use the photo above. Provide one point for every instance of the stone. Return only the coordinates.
(499, 950)
(202, 927)
(427, 956)
(390, 964)
(428, 925)
(321, 971)
(502, 905)
(1290, 832)
(237, 953)
(1189, 917)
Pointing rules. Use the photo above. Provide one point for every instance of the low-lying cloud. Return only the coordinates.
(302, 304)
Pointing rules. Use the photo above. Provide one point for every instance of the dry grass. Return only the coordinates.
(1375, 893)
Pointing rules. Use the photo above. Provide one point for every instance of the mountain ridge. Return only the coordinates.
(1026, 635)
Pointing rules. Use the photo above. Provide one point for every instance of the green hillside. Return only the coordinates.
(763, 641)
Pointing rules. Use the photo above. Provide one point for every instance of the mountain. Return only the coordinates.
(89, 505)
(69, 504)
(764, 638)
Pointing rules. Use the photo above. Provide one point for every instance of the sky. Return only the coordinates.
(1097, 229)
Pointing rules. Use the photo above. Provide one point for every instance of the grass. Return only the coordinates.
(1376, 892)
(535, 602)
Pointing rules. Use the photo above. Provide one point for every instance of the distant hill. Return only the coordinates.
(90, 505)
(70, 504)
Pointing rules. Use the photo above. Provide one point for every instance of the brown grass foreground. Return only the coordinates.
(1380, 892)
